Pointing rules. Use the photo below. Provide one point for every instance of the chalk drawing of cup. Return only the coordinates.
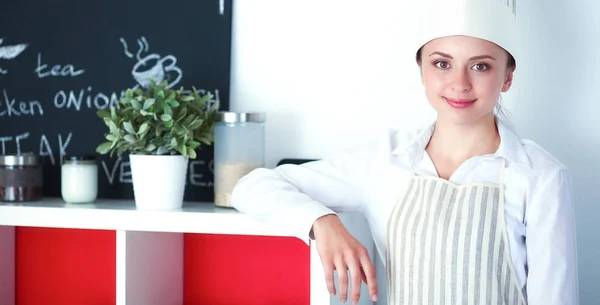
(153, 67)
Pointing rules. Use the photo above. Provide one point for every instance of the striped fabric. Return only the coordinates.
(447, 245)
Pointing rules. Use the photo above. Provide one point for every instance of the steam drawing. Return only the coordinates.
(10, 52)
(152, 66)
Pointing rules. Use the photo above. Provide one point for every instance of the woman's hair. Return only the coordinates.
(511, 64)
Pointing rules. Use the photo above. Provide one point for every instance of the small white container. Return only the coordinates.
(79, 179)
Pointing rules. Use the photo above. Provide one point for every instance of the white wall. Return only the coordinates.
(329, 73)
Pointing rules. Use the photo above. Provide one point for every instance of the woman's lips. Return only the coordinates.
(459, 103)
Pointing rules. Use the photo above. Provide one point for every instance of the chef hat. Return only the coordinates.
(492, 20)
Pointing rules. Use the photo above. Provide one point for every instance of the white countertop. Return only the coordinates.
(194, 217)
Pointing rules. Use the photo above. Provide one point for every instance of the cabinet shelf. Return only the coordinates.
(148, 249)
(193, 217)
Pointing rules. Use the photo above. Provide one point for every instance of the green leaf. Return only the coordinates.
(111, 125)
(143, 128)
(181, 114)
(103, 114)
(128, 127)
(150, 147)
(160, 94)
(113, 113)
(205, 140)
(129, 93)
(169, 123)
(104, 147)
(193, 144)
(214, 107)
(145, 113)
(161, 150)
(149, 103)
(173, 103)
(187, 98)
(167, 109)
(130, 138)
(122, 148)
(196, 124)
(191, 153)
(179, 130)
(136, 105)
(138, 91)
(182, 149)
(190, 118)
(165, 117)
(111, 137)
(174, 142)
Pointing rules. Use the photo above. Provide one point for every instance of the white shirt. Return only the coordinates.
(540, 218)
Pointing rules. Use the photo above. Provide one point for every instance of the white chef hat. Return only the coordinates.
(492, 20)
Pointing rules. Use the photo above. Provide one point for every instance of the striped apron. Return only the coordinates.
(447, 245)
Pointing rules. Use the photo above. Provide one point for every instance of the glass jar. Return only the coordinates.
(79, 179)
(239, 148)
(20, 178)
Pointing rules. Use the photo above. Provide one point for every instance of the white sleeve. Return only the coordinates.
(291, 197)
(551, 243)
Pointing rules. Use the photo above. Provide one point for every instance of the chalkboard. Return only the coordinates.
(62, 61)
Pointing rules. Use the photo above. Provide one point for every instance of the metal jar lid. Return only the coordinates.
(27, 159)
(79, 159)
(241, 117)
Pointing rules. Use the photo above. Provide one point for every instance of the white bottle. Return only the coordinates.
(79, 179)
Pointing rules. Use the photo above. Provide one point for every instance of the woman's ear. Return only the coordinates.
(508, 80)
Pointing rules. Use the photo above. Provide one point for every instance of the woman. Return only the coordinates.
(462, 211)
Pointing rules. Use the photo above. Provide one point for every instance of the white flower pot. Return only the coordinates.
(158, 181)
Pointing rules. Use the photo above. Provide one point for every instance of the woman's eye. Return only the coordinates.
(441, 64)
(481, 67)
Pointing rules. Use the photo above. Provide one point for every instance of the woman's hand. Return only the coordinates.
(342, 252)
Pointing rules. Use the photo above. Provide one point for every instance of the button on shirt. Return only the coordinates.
(370, 178)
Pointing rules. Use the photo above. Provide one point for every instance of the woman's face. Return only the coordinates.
(463, 77)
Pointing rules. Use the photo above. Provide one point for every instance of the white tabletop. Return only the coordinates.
(107, 214)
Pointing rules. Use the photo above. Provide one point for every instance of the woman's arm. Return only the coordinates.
(551, 242)
(292, 197)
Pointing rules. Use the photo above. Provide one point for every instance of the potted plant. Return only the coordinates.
(160, 128)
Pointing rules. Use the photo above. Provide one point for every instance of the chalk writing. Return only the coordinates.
(4, 140)
(10, 52)
(194, 176)
(152, 66)
(125, 176)
(11, 107)
(18, 140)
(72, 99)
(57, 70)
(45, 148)
(120, 172)
(110, 174)
(221, 7)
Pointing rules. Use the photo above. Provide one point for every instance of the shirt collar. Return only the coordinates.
(511, 147)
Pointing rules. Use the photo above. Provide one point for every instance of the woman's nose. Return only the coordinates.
(461, 81)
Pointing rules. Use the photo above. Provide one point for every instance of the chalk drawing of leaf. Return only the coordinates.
(10, 52)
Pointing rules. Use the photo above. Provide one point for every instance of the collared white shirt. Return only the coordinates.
(370, 178)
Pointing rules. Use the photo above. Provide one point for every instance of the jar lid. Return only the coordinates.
(22, 159)
(79, 158)
(240, 117)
